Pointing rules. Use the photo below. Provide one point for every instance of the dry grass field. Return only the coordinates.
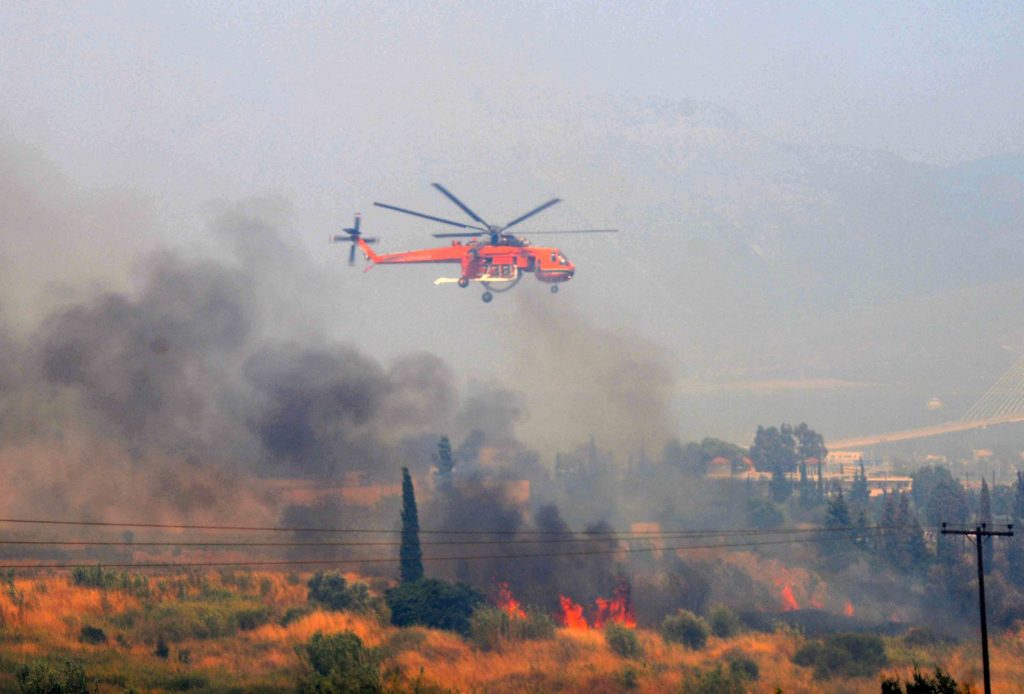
(241, 632)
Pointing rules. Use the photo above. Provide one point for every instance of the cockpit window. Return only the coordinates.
(562, 260)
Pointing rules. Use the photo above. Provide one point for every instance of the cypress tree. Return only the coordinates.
(409, 553)
(445, 464)
(859, 493)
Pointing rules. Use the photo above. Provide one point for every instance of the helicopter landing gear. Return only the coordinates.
(487, 297)
(554, 288)
(463, 282)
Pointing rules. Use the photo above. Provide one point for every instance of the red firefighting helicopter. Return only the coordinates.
(497, 260)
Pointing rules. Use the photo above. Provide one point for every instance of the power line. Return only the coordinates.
(254, 528)
(565, 540)
(366, 560)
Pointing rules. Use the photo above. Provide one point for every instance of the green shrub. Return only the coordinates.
(194, 619)
(622, 640)
(185, 682)
(338, 663)
(843, 655)
(762, 513)
(744, 668)
(161, 651)
(93, 635)
(432, 603)
(629, 678)
(724, 622)
(41, 678)
(490, 625)
(294, 614)
(686, 628)
(716, 681)
(331, 590)
(98, 577)
(941, 683)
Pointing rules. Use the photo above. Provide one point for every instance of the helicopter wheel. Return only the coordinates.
(554, 288)
(487, 297)
(463, 282)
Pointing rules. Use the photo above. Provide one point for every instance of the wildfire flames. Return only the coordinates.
(508, 604)
(572, 614)
(618, 609)
(848, 609)
(789, 602)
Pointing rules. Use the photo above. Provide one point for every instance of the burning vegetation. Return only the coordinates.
(200, 407)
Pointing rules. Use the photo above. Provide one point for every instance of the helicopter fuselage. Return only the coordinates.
(480, 260)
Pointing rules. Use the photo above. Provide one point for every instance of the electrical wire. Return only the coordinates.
(441, 543)
(366, 560)
(253, 528)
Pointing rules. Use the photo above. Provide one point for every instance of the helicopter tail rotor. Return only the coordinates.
(356, 238)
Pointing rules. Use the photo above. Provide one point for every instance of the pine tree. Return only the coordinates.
(779, 485)
(859, 493)
(409, 553)
(821, 483)
(912, 550)
(889, 541)
(805, 487)
(862, 540)
(985, 517)
(837, 517)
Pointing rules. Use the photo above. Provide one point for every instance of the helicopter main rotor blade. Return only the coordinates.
(573, 231)
(532, 212)
(448, 194)
(428, 216)
(456, 235)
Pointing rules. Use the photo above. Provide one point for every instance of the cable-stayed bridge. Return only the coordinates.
(1003, 403)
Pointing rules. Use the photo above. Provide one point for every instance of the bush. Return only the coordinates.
(762, 513)
(193, 619)
(724, 622)
(331, 590)
(339, 663)
(490, 625)
(843, 655)
(432, 603)
(185, 682)
(93, 635)
(744, 668)
(98, 577)
(622, 640)
(629, 678)
(40, 678)
(717, 681)
(294, 614)
(686, 628)
(941, 683)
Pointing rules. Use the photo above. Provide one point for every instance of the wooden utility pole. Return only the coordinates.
(980, 533)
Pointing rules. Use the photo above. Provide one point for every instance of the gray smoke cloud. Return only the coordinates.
(591, 380)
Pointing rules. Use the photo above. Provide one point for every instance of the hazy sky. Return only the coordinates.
(117, 92)
(331, 107)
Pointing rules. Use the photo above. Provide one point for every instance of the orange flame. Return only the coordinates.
(572, 614)
(508, 604)
(789, 602)
(848, 609)
(619, 609)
